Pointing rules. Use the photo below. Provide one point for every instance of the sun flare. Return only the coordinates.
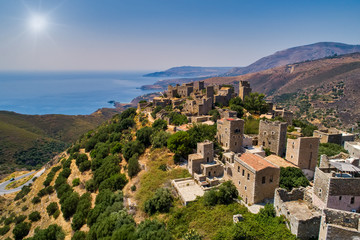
(38, 23)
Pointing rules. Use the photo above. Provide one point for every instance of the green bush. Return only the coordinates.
(177, 119)
(21, 230)
(159, 139)
(330, 149)
(152, 229)
(131, 148)
(34, 216)
(115, 182)
(255, 103)
(109, 167)
(53, 232)
(68, 207)
(85, 166)
(159, 125)
(161, 202)
(76, 182)
(19, 219)
(143, 135)
(36, 200)
(81, 158)
(65, 172)
(83, 209)
(224, 195)
(24, 191)
(291, 177)
(24, 208)
(4, 230)
(90, 185)
(133, 188)
(52, 208)
(180, 143)
(201, 132)
(79, 235)
(133, 166)
(51, 175)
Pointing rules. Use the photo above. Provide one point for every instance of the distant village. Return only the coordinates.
(327, 209)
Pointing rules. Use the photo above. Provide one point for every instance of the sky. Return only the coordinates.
(114, 35)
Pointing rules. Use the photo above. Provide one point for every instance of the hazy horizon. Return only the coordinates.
(142, 35)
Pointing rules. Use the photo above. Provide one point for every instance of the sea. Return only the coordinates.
(71, 93)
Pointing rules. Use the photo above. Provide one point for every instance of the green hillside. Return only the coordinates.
(30, 140)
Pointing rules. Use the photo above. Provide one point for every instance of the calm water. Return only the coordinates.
(68, 93)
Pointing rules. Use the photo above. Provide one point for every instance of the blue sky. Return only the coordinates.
(158, 34)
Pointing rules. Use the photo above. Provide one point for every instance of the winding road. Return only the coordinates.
(3, 191)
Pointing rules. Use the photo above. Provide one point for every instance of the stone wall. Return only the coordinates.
(337, 224)
(230, 134)
(266, 190)
(272, 135)
(244, 89)
(353, 148)
(303, 152)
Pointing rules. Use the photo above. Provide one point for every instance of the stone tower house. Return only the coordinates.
(303, 152)
(244, 89)
(230, 133)
(272, 135)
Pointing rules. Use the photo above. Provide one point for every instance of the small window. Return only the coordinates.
(352, 200)
(272, 133)
(245, 188)
(264, 133)
(271, 179)
(346, 220)
(208, 159)
(239, 183)
(238, 169)
(248, 176)
(243, 172)
(340, 198)
(263, 180)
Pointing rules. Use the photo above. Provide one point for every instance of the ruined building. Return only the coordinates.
(303, 152)
(203, 167)
(303, 219)
(244, 89)
(272, 135)
(198, 106)
(337, 224)
(254, 177)
(338, 187)
(230, 133)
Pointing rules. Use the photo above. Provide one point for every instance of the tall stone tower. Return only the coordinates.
(244, 89)
(230, 133)
(272, 135)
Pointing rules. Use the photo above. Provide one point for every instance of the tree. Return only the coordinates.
(53, 232)
(52, 208)
(143, 135)
(76, 182)
(180, 143)
(85, 166)
(109, 167)
(159, 139)
(90, 185)
(34, 216)
(69, 206)
(201, 132)
(155, 111)
(130, 148)
(267, 212)
(159, 124)
(225, 195)
(330, 149)
(215, 115)
(210, 198)
(161, 202)
(177, 119)
(115, 182)
(79, 235)
(82, 210)
(291, 177)
(133, 166)
(255, 103)
(152, 230)
(21, 230)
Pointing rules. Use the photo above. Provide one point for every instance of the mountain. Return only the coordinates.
(327, 88)
(294, 55)
(190, 71)
(30, 140)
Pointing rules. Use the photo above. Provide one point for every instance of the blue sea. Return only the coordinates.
(70, 93)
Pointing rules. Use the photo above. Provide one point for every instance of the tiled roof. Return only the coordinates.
(255, 161)
(280, 162)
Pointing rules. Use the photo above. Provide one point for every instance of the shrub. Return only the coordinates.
(81, 158)
(133, 188)
(159, 124)
(79, 235)
(225, 195)
(21, 230)
(56, 214)
(85, 166)
(115, 182)
(161, 202)
(24, 208)
(109, 167)
(76, 182)
(143, 135)
(159, 139)
(52, 208)
(131, 148)
(24, 191)
(180, 143)
(51, 175)
(90, 185)
(152, 229)
(19, 219)
(4, 230)
(330, 149)
(291, 177)
(83, 208)
(36, 200)
(53, 232)
(200, 133)
(177, 119)
(65, 172)
(133, 166)
(34, 216)
(68, 207)
(66, 163)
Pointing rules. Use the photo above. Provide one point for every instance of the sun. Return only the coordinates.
(38, 23)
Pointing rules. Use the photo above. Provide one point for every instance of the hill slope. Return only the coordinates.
(328, 84)
(28, 140)
(294, 55)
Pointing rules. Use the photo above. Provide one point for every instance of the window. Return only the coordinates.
(208, 159)
(248, 176)
(238, 169)
(271, 179)
(340, 198)
(245, 188)
(352, 200)
(239, 183)
(264, 133)
(243, 173)
(263, 180)
(272, 133)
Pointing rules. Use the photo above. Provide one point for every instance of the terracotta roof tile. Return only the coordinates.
(255, 161)
(280, 162)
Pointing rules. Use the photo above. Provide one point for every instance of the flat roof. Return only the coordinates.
(300, 210)
(255, 161)
(279, 161)
(188, 189)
